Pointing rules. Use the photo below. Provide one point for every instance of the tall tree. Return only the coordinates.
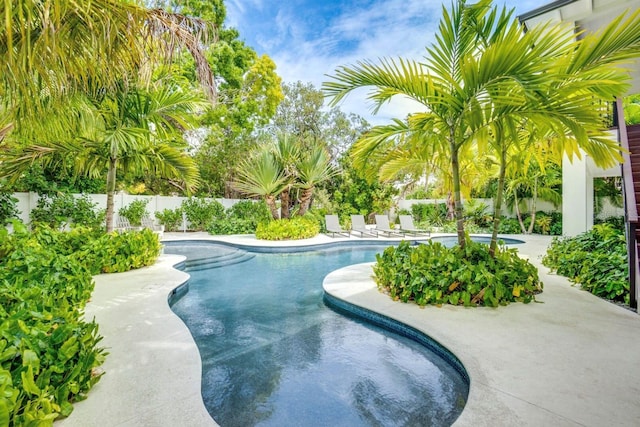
(130, 129)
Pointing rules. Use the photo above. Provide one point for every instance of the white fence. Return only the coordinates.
(28, 201)
(608, 210)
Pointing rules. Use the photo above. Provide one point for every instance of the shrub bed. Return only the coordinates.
(434, 274)
(597, 260)
(288, 229)
(49, 354)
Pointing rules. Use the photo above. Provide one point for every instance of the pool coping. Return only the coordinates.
(571, 360)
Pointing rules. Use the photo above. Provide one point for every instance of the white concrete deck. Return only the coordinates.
(571, 360)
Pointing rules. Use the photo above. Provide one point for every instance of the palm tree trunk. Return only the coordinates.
(305, 200)
(497, 205)
(271, 203)
(518, 214)
(285, 212)
(111, 189)
(534, 204)
(455, 168)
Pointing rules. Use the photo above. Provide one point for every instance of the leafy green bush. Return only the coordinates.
(170, 218)
(616, 222)
(509, 226)
(118, 252)
(432, 213)
(135, 211)
(241, 218)
(288, 229)
(200, 213)
(48, 353)
(62, 209)
(8, 208)
(596, 259)
(434, 274)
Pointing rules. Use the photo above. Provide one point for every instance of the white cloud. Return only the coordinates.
(307, 47)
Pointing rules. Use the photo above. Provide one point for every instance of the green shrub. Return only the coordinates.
(62, 209)
(200, 213)
(288, 229)
(432, 213)
(170, 218)
(8, 208)
(118, 252)
(434, 274)
(135, 211)
(509, 226)
(241, 218)
(48, 352)
(596, 259)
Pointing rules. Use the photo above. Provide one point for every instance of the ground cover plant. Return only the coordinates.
(434, 274)
(288, 229)
(50, 354)
(597, 260)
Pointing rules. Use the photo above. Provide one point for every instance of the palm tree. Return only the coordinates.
(262, 176)
(313, 169)
(475, 91)
(130, 130)
(60, 46)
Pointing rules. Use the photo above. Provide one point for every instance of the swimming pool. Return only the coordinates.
(274, 354)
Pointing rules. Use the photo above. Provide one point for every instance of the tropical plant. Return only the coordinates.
(477, 277)
(476, 92)
(60, 47)
(280, 168)
(261, 176)
(597, 260)
(131, 130)
(8, 208)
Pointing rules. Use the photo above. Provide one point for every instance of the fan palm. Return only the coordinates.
(262, 176)
(313, 169)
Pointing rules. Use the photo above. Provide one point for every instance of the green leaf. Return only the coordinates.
(28, 383)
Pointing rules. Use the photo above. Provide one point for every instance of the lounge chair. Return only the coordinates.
(333, 226)
(148, 223)
(358, 226)
(123, 224)
(382, 225)
(406, 225)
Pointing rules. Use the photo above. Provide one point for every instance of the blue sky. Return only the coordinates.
(308, 39)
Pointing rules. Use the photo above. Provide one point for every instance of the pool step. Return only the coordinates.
(232, 257)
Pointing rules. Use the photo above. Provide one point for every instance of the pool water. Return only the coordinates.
(274, 355)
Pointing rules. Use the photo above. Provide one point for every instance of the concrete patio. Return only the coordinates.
(570, 360)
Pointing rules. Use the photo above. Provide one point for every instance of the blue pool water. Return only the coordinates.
(274, 354)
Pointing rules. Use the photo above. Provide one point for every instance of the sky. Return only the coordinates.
(309, 39)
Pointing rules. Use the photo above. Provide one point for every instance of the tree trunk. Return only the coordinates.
(497, 205)
(111, 189)
(305, 200)
(518, 214)
(271, 203)
(285, 212)
(455, 169)
(534, 204)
